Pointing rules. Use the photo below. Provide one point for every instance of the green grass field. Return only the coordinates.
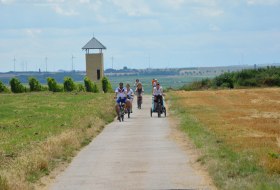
(55, 124)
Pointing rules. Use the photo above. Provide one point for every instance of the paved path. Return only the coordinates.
(134, 154)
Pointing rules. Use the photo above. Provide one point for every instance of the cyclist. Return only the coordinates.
(120, 96)
(158, 93)
(136, 83)
(139, 91)
(154, 84)
(130, 96)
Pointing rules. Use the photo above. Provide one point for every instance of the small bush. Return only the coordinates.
(80, 88)
(106, 85)
(198, 85)
(44, 88)
(3, 88)
(224, 80)
(248, 82)
(272, 80)
(53, 86)
(95, 88)
(90, 86)
(68, 84)
(16, 86)
(34, 84)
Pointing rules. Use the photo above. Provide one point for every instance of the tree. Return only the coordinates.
(106, 85)
(16, 86)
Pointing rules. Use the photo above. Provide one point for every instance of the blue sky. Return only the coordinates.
(139, 33)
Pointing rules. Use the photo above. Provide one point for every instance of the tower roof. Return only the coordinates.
(94, 44)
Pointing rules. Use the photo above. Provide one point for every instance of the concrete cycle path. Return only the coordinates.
(135, 154)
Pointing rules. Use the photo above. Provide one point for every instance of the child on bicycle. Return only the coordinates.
(130, 96)
(120, 96)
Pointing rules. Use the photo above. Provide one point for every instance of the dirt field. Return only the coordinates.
(248, 120)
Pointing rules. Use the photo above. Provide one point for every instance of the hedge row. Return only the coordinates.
(262, 77)
(68, 86)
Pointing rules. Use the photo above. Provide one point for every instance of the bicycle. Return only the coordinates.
(122, 111)
(158, 107)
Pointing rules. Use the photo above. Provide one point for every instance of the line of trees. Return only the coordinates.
(68, 86)
(262, 77)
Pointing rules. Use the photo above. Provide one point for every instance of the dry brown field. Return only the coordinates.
(248, 120)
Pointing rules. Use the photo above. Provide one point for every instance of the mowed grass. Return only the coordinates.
(238, 132)
(38, 130)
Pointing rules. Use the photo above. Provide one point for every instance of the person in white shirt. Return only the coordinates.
(120, 96)
(158, 93)
(130, 96)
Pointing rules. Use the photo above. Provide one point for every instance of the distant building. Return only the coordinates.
(94, 61)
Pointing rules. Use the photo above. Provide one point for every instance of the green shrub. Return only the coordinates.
(106, 85)
(53, 86)
(3, 88)
(273, 80)
(34, 84)
(80, 88)
(248, 82)
(16, 86)
(95, 88)
(224, 80)
(269, 76)
(44, 88)
(90, 86)
(68, 84)
(198, 85)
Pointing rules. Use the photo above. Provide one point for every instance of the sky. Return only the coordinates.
(49, 34)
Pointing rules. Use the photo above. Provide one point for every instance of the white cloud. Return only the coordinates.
(214, 28)
(133, 8)
(209, 12)
(68, 1)
(180, 3)
(32, 32)
(64, 12)
(55, 1)
(84, 1)
(174, 3)
(6, 1)
(263, 2)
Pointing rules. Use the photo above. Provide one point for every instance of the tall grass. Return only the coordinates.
(40, 130)
(228, 168)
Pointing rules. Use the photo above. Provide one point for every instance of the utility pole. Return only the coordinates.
(14, 63)
(112, 62)
(46, 59)
(72, 62)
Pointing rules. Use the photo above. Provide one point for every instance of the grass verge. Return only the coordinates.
(40, 130)
(228, 168)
